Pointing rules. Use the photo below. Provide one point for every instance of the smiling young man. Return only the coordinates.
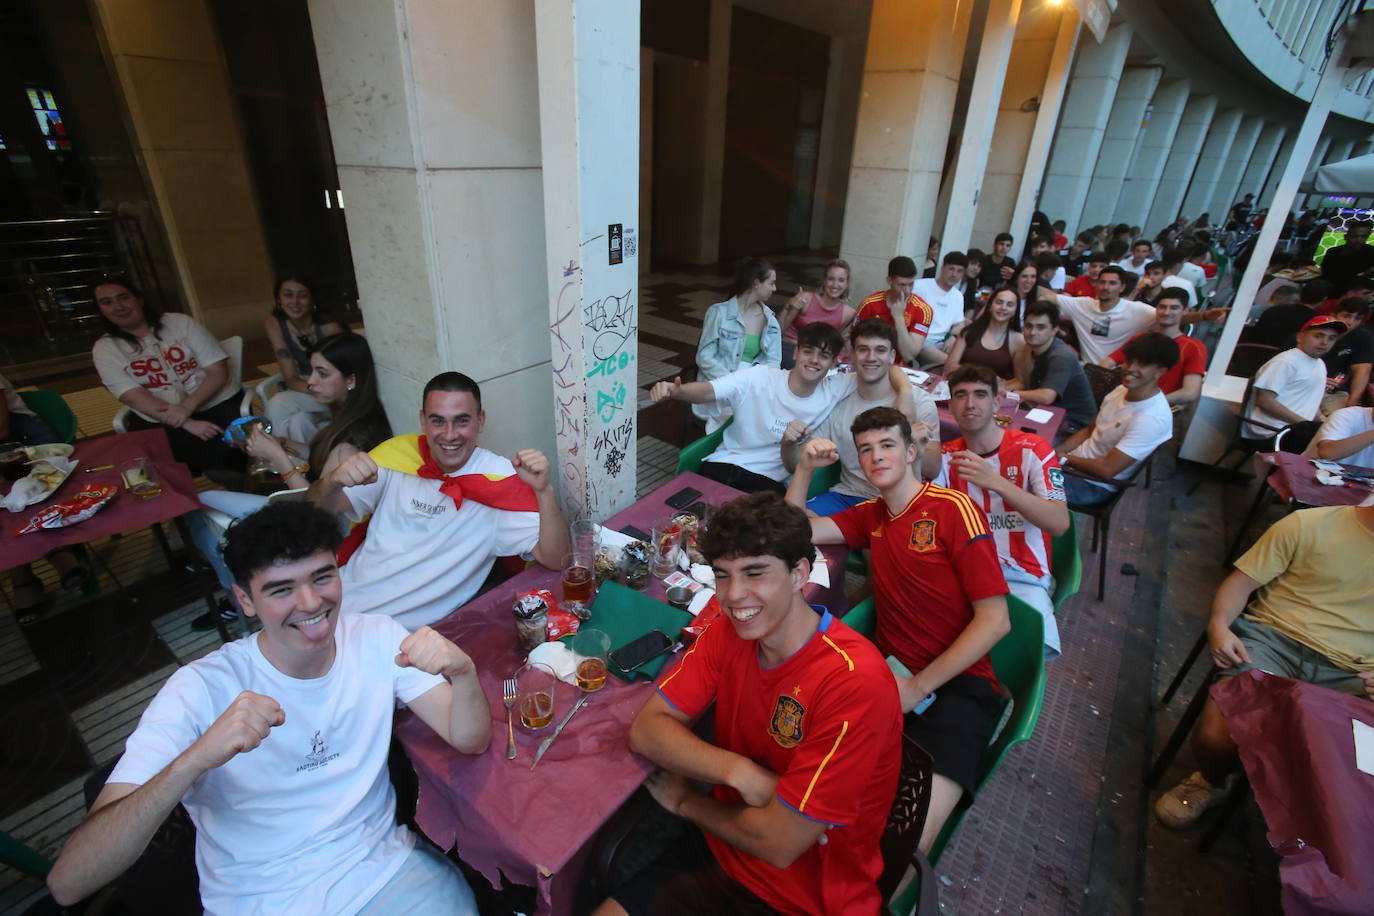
(940, 597)
(874, 347)
(1289, 387)
(277, 746)
(1048, 372)
(1014, 477)
(767, 403)
(902, 309)
(441, 508)
(1183, 383)
(946, 301)
(1104, 321)
(1133, 421)
(806, 748)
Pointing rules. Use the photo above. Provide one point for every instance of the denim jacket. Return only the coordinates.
(721, 350)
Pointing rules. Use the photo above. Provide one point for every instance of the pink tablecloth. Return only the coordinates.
(122, 513)
(1295, 479)
(1298, 749)
(531, 826)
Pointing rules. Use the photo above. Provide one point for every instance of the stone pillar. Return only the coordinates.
(1262, 161)
(842, 83)
(911, 75)
(1198, 200)
(1318, 158)
(1271, 179)
(1119, 142)
(1142, 180)
(1092, 90)
(975, 140)
(1178, 168)
(167, 58)
(589, 134)
(1233, 171)
(434, 112)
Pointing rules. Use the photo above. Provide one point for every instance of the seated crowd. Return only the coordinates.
(809, 715)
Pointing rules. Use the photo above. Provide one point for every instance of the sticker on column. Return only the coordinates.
(614, 236)
(631, 243)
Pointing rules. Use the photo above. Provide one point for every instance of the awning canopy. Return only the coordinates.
(1350, 178)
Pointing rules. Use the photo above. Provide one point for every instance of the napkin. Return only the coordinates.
(1364, 746)
(1039, 415)
(29, 490)
(559, 658)
(820, 571)
(615, 539)
(1328, 479)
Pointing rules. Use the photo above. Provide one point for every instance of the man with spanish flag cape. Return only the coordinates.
(432, 512)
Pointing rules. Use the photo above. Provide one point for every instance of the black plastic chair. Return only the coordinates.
(1101, 514)
(1102, 380)
(1247, 359)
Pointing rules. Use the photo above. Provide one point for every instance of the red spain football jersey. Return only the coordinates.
(918, 312)
(827, 720)
(931, 561)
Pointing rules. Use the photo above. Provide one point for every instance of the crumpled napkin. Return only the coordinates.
(558, 658)
(1327, 478)
(29, 490)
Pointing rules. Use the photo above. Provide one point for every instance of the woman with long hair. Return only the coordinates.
(829, 304)
(1023, 282)
(993, 338)
(294, 326)
(741, 331)
(170, 371)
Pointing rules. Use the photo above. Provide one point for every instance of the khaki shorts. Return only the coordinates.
(1274, 653)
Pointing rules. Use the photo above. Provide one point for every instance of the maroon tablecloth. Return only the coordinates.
(949, 430)
(122, 513)
(531, 826)
(1297, 745)
(1295, 479)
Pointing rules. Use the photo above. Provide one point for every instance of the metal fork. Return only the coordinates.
(508, 694)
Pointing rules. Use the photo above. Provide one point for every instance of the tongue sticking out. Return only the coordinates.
(315, 632)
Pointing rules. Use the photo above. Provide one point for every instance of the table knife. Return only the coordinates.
(538, 755)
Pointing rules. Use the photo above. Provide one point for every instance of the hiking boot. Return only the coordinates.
(1181, 806)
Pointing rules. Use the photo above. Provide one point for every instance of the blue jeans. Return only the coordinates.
(832, 503)
(206, 536)
(1080, 492)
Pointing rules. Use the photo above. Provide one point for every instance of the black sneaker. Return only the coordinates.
(206, 621)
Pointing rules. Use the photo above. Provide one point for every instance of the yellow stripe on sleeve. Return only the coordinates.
(844, 730)
(972, 520)
(843, 654)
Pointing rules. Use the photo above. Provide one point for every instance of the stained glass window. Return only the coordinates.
(49, 119)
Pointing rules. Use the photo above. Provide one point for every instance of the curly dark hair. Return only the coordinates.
(759, 525)
(280, 532)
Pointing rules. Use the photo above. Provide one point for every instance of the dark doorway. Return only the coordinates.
(772, 134)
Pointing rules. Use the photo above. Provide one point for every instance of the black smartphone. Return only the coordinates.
(683, 498)
(697, 508)
(636, 533)
(640, 651)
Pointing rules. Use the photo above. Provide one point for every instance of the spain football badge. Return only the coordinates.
(923, 535)
(786, 724)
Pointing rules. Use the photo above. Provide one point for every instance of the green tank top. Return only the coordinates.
(751, 348)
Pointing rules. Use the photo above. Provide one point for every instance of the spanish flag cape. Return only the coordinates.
(410, 455)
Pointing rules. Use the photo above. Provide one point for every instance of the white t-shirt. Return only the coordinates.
(1101, 333)
(1344, 424)
(1297, 379)
(305, 822)
(1183, 284)
(948, 306)
(1125, 264)
(763, 406)
(169, 366)
(1135, 428)
(1194, 274)
(852, 481)
(422, 559)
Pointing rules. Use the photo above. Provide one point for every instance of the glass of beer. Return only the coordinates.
(591, 648)
(578, 579)
(534, 688)
(140, 478)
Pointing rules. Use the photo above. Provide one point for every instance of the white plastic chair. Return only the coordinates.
(233, 347)
(276, 382)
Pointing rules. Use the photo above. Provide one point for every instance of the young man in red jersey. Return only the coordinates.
(1183, 383)
(941, 599)
(807, 741)
(898, 306)
(1014, 477)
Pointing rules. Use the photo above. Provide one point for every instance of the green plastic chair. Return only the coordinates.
(1066, 562)
(694, 453)
(52, 409)
(22, 857)
(1019, 662)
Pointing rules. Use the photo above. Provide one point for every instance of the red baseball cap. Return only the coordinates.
(1322, 321)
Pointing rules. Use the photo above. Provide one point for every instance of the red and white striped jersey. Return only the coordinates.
(1030, 463)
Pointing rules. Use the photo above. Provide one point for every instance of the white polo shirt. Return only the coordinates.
(1297, 379)
(947, 304)
(1134, 428)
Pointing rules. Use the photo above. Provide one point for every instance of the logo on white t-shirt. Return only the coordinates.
(319, 754)
(1102, 327)
(430, 509)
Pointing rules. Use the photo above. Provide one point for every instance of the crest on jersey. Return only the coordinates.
(786, 724)
(923, 535)
(1013, 472)
(1057, 478)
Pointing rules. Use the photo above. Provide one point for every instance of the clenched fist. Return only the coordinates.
(664, 390)
(819, 453)
(238, 730)
(356, 470)
(533, 468)
(426, 650)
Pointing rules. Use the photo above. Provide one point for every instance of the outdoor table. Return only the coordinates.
(1296, 742)
(124, 512)
(1017, 410)
(1294, 479)
(536, 827)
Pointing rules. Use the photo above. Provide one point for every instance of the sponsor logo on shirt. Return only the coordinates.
(923, 536)
(319, 755)
(152, 374)
(1012, 472)
(786, 724)
(430, 509)
(1057, 478)
(1006, 521)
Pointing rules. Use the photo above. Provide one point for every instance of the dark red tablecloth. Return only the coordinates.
(1297, 745)
(122, 513)
(949, 430)
(1295, 479)
(531, 826)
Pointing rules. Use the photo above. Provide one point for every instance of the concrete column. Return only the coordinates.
(842, 84)
(1271, 179)
(911, 75)
(1046, 120)
(434, 112)
(1119, 142)
(1178, 168)
(1233, 172)
(713, 132)
(588, 70)
(1141, 182)
(167, 58)
(1262, 160)
(1210, 162)
(974, 142)
(1318, 158)
(1339, 152)
(1092, 90)
(1032, 53)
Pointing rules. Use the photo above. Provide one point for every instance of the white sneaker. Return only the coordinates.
(1182, 805)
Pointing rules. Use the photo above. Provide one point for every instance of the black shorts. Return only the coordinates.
(732, 475)
(687, 880)
(955, 730)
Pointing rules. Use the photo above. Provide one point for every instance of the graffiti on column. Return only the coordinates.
(569, 389)
(609, 329)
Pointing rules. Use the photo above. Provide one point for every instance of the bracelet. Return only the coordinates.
(298, 469)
